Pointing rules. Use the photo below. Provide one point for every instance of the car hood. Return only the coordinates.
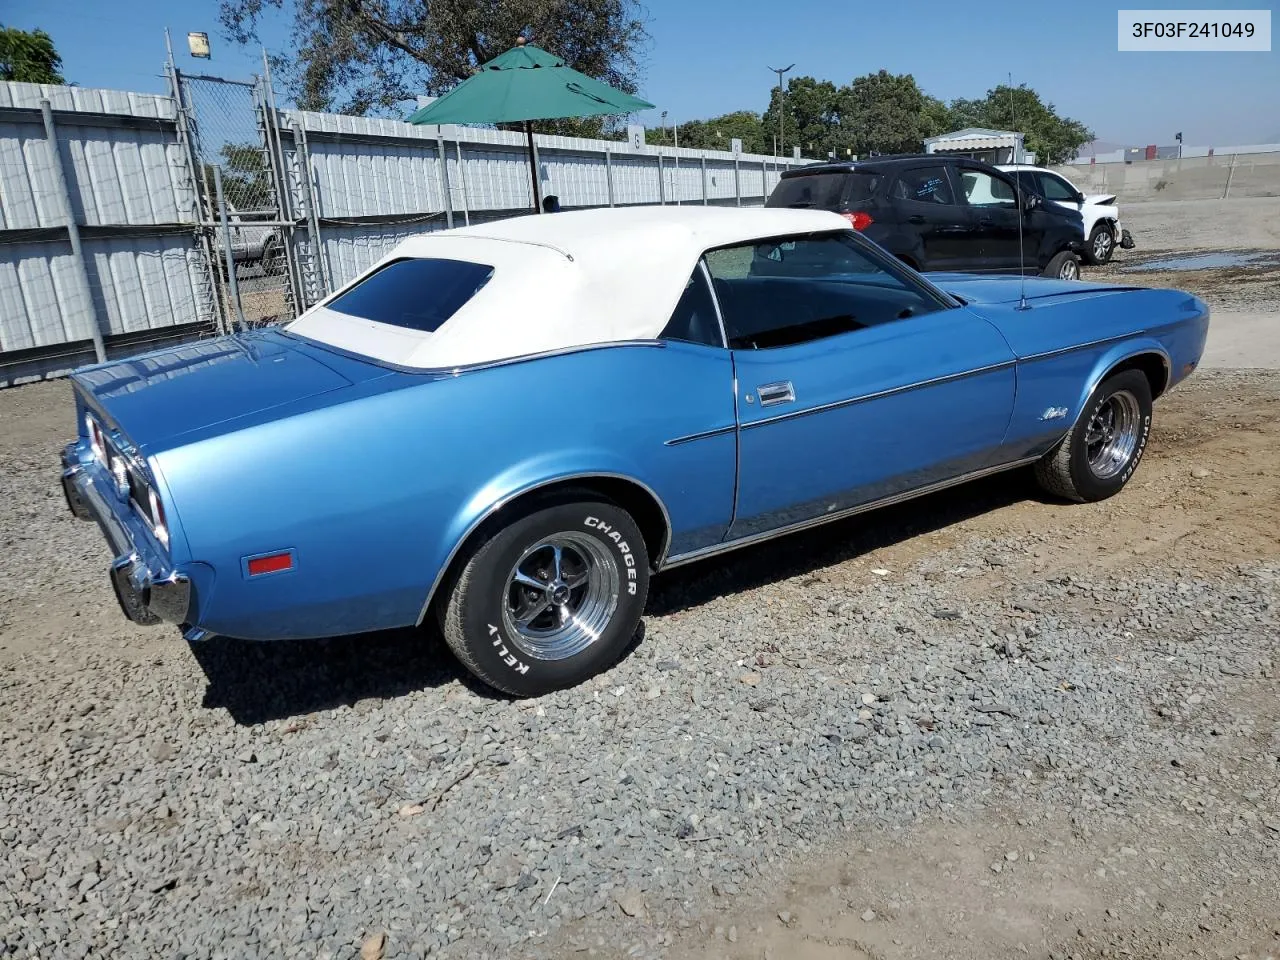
(1009, 289)
(158, 397)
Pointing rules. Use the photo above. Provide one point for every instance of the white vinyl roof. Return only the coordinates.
(560, 280)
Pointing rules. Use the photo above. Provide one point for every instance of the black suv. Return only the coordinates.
(942, 213)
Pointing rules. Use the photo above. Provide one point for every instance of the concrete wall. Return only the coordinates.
(1191, 178)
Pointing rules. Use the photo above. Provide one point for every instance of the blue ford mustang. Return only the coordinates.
(511, 426)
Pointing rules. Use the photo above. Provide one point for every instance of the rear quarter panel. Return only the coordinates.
(1066, 345)
(375, 492)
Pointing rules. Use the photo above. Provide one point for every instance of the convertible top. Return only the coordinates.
(559, 281)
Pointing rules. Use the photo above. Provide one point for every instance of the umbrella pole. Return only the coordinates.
(533, 168)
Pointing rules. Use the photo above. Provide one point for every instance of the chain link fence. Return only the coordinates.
(238, 185)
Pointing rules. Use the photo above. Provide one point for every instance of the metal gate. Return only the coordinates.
(245, 219)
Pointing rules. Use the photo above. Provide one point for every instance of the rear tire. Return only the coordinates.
(551, 599)
(1101, 245)
(1099, 454)
(1063, 266)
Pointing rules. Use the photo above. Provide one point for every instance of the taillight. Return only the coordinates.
(95, 438)
(860, 219)
(158, 525)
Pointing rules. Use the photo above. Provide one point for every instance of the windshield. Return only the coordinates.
(419, 294)
(824, 191)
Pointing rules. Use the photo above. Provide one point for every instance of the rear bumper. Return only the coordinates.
(148, 589)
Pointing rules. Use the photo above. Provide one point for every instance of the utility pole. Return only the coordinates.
(781, 145)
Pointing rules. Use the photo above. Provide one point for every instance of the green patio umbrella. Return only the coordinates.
(527, 83)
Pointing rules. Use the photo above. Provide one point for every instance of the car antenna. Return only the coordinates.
(1017, 186)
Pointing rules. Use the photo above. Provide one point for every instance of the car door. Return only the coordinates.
(925, 204)
(855, 380)
(993, 203)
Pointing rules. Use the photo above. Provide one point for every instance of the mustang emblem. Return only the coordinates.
(1054, 413)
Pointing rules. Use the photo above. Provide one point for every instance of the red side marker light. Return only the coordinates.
(270, 564)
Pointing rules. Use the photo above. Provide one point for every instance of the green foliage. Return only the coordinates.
(29, 56)
(246, 182)
(1052, 138)
(718, 133)
(369, 56)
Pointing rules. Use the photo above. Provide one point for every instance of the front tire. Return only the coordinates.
(1101, 245)
(1098, 456)
(1063, 266)
(551, 599)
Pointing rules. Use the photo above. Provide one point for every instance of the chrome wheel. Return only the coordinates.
(1112, 434)
(1102, 244)
(560, 596)
(1070, 270)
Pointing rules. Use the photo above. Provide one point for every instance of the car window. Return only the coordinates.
(924, 185)
(1027, 180)
(825, 191)
(694, 319)
(420, 293)
(1055, 188)
(981, 189)
(794, 290)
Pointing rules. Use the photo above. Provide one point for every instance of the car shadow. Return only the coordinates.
(256, 682)
(827, 545)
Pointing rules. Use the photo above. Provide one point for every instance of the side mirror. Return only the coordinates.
(1030, 201)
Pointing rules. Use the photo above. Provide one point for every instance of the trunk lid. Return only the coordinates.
(158, 397)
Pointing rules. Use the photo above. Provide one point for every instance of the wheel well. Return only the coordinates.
(1152, 366)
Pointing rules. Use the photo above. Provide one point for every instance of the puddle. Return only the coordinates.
(1207, 261)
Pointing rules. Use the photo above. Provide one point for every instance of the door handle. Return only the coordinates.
(984, 221)
(771, 394)
(915, 218)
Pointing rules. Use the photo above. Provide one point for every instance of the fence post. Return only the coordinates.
(662, 186)
(1231, 169)
(73, 230)
(226, 242)
(737, 182)
(462, 175)
(181, 114)
(764, 181)
(284, 197)
(313, 215)
(704, 181)
(608, 173)
(443, 172)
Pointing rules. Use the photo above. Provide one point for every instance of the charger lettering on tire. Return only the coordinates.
(624, 549)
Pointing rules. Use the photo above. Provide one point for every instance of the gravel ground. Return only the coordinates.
(800, 730)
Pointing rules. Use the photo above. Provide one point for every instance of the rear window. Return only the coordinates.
(824, 191)
(419, 294)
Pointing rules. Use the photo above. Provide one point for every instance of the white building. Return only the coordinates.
(990, 146)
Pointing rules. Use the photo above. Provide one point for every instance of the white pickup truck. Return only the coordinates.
(1102, 230)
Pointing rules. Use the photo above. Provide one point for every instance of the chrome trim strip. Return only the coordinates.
(719, 431)
(681, 559)
(715, 300)
(1079, 346)
(835, 404)
(466, 368)
(494, 508)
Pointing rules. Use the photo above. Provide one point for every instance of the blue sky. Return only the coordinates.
(711, 56)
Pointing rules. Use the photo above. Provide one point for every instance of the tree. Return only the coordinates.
(811, 117)
(362, 56)
(887, 113)
(28, 56)
(718, 133)
(246, 182)
(1054, 139)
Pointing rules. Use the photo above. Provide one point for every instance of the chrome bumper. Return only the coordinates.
(147, 589)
